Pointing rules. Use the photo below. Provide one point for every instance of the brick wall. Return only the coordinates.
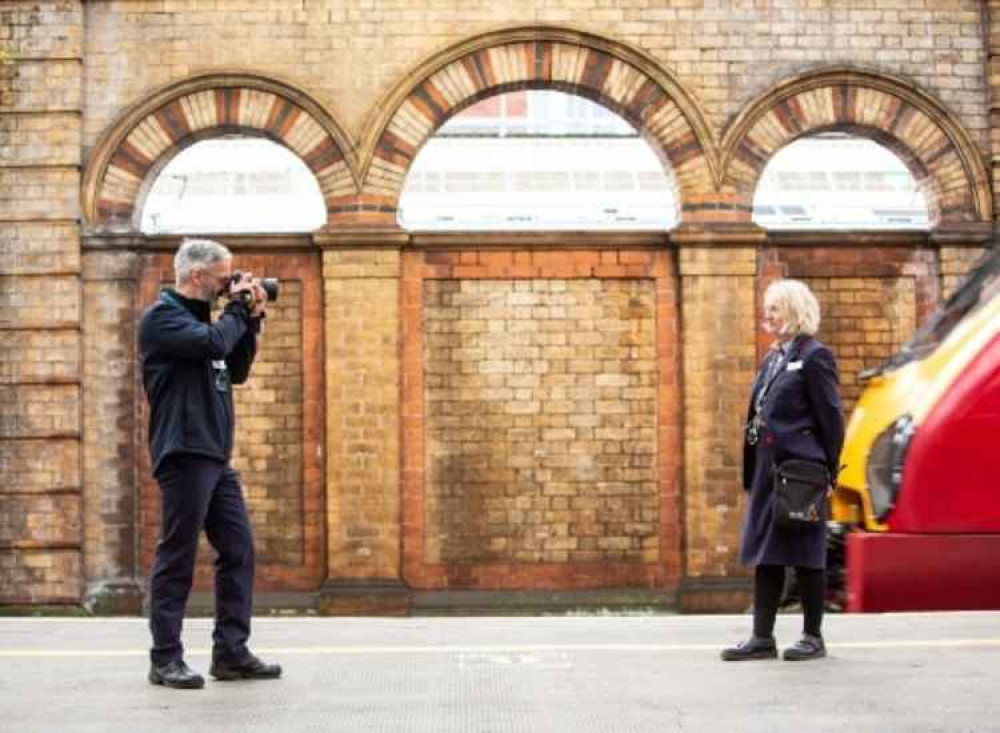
(28, 248)
(992, 43)
(871, 300)
(541, 421)
(41, 576)
(539, 401)
(269, 411)
(864, 322)
(725, 55)
(40, 400)
(362, 413)
(955, 265)
(279, 419)
(718, 367)
(109, 427)
(370, 421)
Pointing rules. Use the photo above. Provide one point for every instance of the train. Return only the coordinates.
(916, 506)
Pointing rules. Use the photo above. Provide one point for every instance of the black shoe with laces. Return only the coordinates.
(249, 668)
(756, 647)
(175, 674)
(808, 647)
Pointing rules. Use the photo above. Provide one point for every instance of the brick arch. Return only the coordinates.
(919, 129)
(140, 143)
(612, 74)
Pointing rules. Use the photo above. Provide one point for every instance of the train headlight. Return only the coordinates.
(884, 471)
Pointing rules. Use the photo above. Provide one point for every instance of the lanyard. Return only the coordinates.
(774, 368)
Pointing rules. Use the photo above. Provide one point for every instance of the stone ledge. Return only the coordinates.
(715, 595)
(114, 598)
(534, 602)
(266, 603)
(364, 598)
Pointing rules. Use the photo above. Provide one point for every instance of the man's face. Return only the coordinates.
(212, 280)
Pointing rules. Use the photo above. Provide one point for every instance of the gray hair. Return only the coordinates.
(197, 253)
(798, 306)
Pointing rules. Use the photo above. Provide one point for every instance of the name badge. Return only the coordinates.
(794, 366)
(222, 383)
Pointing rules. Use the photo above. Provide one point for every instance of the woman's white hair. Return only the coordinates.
(197, 253)
(797, 306)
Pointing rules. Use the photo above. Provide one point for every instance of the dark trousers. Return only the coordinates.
(769, 583)
(201, 493)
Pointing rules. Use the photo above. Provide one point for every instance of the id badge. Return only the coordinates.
(222, 382)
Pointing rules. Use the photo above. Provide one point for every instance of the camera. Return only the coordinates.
(270, 285)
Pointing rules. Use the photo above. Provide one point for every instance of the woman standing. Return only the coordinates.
(794, 413)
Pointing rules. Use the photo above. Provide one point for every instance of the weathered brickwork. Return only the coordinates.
(40, 139)
(36, 248)
(955, 263)
(571, 479)
(30, 194)
(864, 322)
(935, 150)
(34, 411)
(34, 85)
(727, 54)
(718, 368)
(871, 300)
(38, 356)
(39, 520)
(39, 466)
(40, 576)
(541, 421)
(39, 302)
(992, 42)
(269, 411)
(40, 342)
(109, 402)
(31, 29)
(342, 444)
(279, 417)
(202, 108)
(362, 414)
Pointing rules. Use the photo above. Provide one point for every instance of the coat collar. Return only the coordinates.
(200, 309)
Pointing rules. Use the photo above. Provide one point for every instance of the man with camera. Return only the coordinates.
(189, 365)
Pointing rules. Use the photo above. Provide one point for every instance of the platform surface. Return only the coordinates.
(905, 672)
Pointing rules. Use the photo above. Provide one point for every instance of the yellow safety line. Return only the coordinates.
(491, 649)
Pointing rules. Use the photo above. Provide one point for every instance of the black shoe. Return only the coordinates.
(756, 647)
(808, 647)
(175, 674)
(250, 668)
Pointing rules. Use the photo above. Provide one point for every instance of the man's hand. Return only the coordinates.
(260, 299)
(244, 285)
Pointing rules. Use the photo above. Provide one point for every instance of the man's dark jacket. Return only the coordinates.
(188, 366)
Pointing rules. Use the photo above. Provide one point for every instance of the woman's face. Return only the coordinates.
(774, 323)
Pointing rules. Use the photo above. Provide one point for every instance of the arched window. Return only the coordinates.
(836, 181)
(537, 160)
(232, 185)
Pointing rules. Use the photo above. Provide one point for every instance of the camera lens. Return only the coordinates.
(270, 285)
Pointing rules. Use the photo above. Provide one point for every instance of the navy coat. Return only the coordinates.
(188, 367)
(801, 418)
